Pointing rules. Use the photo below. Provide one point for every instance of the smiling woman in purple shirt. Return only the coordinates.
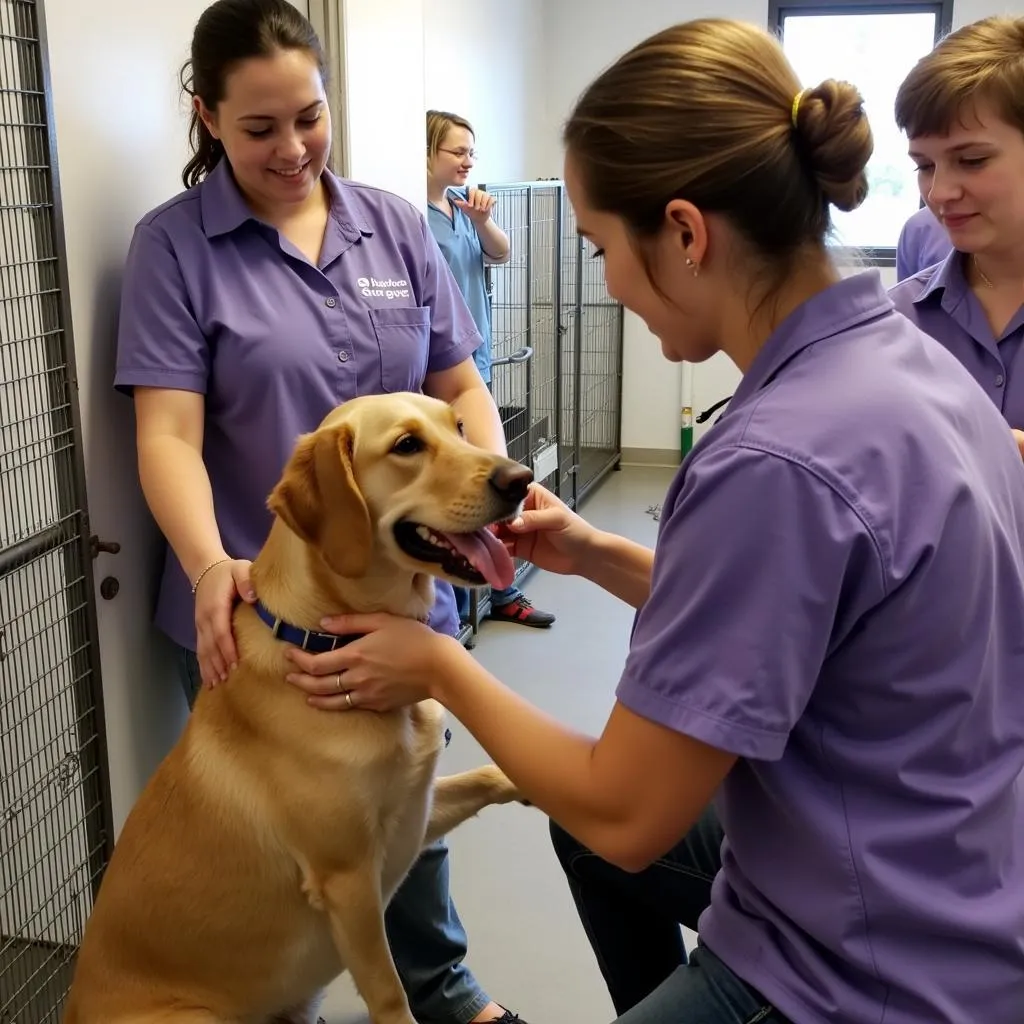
(253, 303)
(829, 638)
(961, 110)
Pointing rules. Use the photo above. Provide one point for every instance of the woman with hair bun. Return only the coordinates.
(829, 639)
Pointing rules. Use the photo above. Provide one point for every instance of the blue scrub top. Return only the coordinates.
(460, 245)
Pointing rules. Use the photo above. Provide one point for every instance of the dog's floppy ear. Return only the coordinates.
(318, 498)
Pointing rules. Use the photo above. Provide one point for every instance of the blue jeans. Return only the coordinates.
(427, 939)
(633, 924)
(499, 598)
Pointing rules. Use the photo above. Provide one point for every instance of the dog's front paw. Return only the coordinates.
(503, 790)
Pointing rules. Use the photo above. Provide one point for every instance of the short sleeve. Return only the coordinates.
(453, 334)
(760, 568)
(904, 257)
(159, 341)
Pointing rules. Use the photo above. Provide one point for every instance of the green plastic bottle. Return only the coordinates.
(685, 432)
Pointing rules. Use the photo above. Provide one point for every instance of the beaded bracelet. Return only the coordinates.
(206, 570)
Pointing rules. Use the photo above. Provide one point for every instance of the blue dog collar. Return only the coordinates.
(308, 639)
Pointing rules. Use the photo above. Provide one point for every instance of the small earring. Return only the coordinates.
(694, 264)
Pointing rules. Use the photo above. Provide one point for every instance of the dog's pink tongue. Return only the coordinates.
(487, 555)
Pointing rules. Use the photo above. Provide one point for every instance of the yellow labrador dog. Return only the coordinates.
(257, 863)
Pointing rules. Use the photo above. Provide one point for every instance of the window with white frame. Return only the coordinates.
(874, 46)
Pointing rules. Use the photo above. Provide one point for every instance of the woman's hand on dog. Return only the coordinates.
(216, 595)
(396, 663)
(548, 534)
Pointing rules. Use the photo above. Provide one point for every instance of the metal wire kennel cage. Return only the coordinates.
(55, 827)
(557, 337)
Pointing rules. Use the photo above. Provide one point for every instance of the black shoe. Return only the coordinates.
(521, 611)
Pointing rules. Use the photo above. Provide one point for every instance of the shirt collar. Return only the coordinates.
(947, 280)
(225, 210)
(952, 293)
(848, 303)
(345, 210)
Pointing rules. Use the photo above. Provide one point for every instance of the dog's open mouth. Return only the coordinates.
(477, 557)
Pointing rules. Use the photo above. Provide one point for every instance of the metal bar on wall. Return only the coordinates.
(577, 387)
(530, 198)
(559, 329)
(54, 538)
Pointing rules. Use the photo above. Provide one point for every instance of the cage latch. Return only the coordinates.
(106, 547)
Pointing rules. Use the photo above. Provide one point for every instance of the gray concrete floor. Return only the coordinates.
(526, 945)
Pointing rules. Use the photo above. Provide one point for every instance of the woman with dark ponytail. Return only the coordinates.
(255, 302)
(227, 35)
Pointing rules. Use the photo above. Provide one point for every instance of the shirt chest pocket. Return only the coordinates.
(403, 338)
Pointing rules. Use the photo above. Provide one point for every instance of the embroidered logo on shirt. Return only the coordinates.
(386, 288)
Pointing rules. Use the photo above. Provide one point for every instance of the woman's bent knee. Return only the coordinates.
(567, 849)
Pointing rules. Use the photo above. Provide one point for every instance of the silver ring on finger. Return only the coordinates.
(337, 682)
(348, 700)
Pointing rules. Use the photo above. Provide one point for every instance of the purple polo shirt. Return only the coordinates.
(838, 599)
(217, 302)
(923, 242)
(941, 303)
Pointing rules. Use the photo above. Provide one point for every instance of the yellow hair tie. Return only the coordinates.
(796, 105)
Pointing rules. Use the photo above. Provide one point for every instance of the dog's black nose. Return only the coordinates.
(511, 480)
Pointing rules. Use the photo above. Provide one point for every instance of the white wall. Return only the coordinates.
(384, 97)
(120, 148)
(479, 60)
(966, 11)
(484, 62)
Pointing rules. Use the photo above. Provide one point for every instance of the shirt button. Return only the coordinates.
(999, 380)
(343, 357)
(330, 303)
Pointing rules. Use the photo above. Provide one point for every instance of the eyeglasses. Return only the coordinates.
(460, 153)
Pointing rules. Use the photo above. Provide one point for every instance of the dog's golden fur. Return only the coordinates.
(257, 862)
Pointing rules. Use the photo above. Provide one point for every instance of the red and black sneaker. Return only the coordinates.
(522, 611)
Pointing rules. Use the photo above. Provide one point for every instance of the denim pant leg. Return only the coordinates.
(188, 675)
(427, 939)
(703, 991)
(632, 920)
(500, 598)
(462, 603)
(428, 944)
